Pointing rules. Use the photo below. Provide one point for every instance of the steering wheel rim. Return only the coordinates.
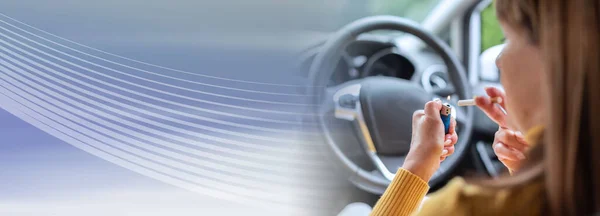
(323, 66)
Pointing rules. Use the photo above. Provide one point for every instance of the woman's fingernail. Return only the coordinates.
(447, 142)
(520, 156)
(518, 133)
(510, 133)
(498, 146)
(444, 152)
(520, 136)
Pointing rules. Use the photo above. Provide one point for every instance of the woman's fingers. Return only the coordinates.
(491, 110)
(452, 128)
(454, 138)
(520, 137)
(418, 114)
(511, 139)
(448, 151)
(495, 92)
(449, 141)
(432, 108)
(510, 147)
(507, 153)
(451, 138)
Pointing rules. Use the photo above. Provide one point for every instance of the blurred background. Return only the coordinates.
(181, 107)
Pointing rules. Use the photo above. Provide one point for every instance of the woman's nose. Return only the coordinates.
(498, 60)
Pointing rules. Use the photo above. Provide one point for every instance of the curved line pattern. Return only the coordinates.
(145, 63)
(147, 159)
(242, 153)
(119, 139)
(93, 122)
(149, 80)
(150, 161)
(122, 105)
(107, 124)
(127, 98)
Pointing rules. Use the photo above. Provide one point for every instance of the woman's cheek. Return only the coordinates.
(505, 76)
(509, 67)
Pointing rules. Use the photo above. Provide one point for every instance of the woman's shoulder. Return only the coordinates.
(461, 198)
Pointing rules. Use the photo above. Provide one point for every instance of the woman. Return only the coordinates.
(551, 74)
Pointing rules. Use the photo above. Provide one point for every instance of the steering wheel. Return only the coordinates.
(380, 109)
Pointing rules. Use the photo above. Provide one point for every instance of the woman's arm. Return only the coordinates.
(403, 196)
(429, 146)
(409, 191)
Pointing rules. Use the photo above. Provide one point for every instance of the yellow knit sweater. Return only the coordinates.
(405, 196)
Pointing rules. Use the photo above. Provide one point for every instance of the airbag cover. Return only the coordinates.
(388, 104)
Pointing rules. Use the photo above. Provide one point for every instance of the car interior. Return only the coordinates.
(372, 73)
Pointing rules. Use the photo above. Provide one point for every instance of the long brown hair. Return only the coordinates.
(568, 34)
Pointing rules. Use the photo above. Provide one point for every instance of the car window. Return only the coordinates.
(411, 9)
(491, 33)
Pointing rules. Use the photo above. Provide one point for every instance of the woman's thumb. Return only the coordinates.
(432, 108)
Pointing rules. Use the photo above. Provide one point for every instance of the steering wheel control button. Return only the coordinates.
(348, 101)
(435, 78)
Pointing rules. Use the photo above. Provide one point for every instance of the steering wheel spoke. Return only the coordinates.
(444, 92)
(348, 107)
(327, 105)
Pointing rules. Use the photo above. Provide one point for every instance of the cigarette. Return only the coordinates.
(471, 102)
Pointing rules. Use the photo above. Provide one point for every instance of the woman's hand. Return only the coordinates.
(429, 145)
(509, 145)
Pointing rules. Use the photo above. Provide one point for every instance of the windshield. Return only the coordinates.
(415, 10)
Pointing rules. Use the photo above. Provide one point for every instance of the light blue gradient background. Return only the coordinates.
(245, 40)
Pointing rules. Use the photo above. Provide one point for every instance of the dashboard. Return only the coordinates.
(378, 57)
(371, 58)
